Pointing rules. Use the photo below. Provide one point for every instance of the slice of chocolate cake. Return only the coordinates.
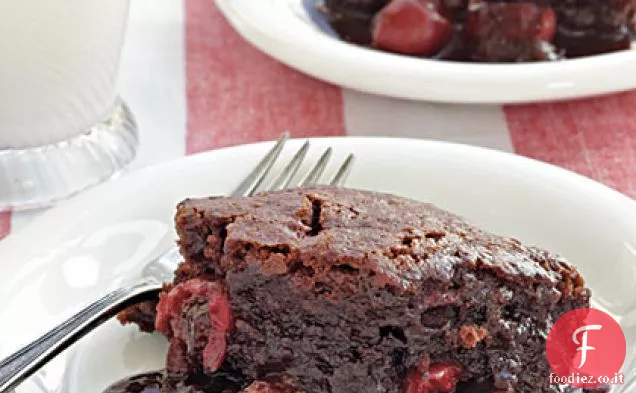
(328, 290)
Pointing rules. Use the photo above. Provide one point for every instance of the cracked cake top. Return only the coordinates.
(336, 232)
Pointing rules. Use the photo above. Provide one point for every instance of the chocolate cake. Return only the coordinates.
(328, 290)
(486, 30)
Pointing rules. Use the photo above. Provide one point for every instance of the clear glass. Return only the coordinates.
(62, 126)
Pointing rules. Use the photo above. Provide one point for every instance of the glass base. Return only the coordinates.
(36, 177)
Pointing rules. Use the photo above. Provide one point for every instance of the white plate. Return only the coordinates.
(78, 250)
(284, 30)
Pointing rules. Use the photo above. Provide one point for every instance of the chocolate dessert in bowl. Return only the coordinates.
(485, 30)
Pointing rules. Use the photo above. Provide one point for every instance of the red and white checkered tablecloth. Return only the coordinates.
(196, 85)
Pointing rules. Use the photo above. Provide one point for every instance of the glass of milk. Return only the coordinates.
(62, 126)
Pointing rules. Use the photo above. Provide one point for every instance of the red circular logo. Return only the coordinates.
(586, 348)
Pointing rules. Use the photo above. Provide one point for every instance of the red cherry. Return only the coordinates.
(440, 378)
(214, 352)
(412, 27)
(443, 377)
(167, 308)
(169, 321)
(219, 311)
(547, 25)
(416, 384)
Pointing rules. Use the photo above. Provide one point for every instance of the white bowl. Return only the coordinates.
(284, 30)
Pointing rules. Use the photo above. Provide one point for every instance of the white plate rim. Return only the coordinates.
(598, 189)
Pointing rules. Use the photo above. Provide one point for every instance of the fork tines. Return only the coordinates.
(284, 179)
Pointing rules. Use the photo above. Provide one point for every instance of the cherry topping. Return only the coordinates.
(547, 25)
(515, 20)
(413, 27)
(510, 20)
(510, 31)
(440, 378)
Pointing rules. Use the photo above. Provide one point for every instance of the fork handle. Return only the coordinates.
(20, 365)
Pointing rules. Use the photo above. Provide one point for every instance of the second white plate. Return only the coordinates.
(284, 30)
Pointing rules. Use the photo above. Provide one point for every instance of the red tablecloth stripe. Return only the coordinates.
(236, 94)
(5, 224)
(594, 137)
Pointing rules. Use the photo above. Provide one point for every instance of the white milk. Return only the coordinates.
(58, 65)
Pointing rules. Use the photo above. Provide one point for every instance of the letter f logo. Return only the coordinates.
(584, 347)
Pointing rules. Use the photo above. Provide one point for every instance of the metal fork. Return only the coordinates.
(23, 363)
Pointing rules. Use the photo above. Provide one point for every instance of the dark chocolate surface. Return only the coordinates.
(153, 382)
(401, 242)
